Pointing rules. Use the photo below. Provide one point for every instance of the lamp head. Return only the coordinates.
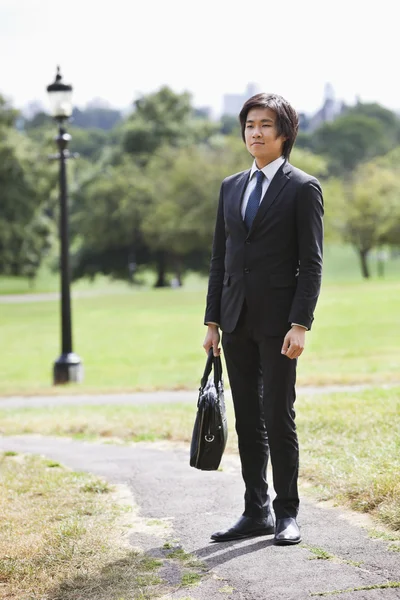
(60, 96)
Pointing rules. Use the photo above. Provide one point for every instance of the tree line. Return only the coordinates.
(144, 190)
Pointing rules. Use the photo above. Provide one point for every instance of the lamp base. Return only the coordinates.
(68, 368)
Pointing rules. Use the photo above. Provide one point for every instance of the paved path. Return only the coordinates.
(52, 296)
(143, 398)
(196, 503)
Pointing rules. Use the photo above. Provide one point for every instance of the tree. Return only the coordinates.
(368, 209)
(106, 220)
(386, 117)
(304, 140)
(350, 140)
(26, 231)
(159, 215)
(391, 161)
(178, 221)
(163, 118)
(89, 143)
(96, 117)
(230, 125)
(308, 161)
(360, 134)
(38, 121)
(7, 113)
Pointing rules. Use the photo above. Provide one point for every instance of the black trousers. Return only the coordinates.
(263, 381)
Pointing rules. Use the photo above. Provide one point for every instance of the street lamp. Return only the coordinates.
(68, 367)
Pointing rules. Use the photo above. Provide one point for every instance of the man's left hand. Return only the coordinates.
(293, 344)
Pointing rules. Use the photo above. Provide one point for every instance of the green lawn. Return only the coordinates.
(48, 282)
(351, 449)
(350, 442)
(152, 339)
(135, 337)
(341, 265)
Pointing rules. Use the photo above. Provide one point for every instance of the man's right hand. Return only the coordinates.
(212, 340)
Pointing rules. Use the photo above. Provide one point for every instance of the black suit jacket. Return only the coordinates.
(277, 265)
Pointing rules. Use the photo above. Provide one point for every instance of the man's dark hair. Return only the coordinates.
(287, 120)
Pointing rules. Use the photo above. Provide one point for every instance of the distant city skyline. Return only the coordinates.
(119, 50)
(230, 103)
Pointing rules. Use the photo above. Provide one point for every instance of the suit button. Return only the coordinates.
(247, 270)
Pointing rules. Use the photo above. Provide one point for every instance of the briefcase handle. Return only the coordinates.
(212, 361)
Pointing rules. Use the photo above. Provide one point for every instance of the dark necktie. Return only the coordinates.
(254, 200)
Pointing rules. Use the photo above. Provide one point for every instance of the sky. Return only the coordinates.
(118, 50)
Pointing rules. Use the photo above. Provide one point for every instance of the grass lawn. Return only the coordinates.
(350, 442)
(62, 535)
(152, 339)
(47, 281)
(341, 265)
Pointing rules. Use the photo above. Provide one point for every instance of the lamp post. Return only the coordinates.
(68, 367)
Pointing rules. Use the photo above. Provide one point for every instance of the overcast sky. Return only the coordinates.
(120, 49)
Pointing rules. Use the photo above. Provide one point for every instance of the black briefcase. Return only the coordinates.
(210, 431)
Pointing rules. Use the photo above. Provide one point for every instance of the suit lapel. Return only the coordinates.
(277, 184)
(238, 191)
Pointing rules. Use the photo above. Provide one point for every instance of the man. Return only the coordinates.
(264, 283)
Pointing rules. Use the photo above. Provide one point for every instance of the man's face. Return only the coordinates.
(262, 140)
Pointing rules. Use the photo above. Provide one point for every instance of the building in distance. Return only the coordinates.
(232, 103)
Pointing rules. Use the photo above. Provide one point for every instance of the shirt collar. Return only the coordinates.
(270, 169)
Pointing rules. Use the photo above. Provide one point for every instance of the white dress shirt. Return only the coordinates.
(269, 172)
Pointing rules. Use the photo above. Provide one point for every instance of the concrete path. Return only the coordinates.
(196, 503)
(168, 397)
(52, 296)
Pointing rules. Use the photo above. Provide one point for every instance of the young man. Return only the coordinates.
(264, 283)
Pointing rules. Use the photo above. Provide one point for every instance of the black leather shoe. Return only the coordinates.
(245, 527)
(287, 532)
